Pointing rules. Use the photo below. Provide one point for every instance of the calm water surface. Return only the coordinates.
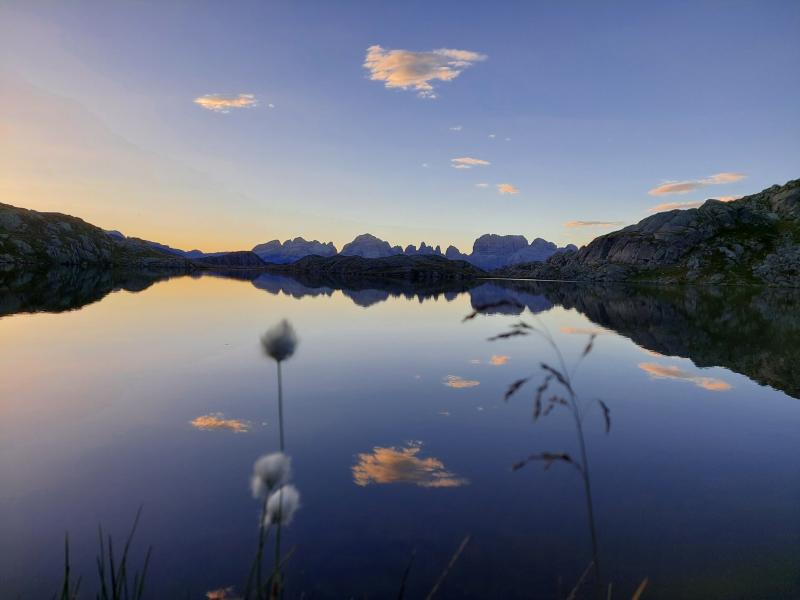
(157, 394)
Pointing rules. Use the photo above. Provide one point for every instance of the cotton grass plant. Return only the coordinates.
(271, 475)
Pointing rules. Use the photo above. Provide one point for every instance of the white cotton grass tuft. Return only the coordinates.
(270, 472)
(280, 342)
(282, 505)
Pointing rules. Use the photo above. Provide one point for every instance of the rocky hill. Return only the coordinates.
(28, 237)
(755, 239)
(292, 250)
(491, 251)
(367, 245)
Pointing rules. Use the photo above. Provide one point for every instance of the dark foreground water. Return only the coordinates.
(118, 391)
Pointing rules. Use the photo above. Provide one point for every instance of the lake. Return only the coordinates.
(120, 391)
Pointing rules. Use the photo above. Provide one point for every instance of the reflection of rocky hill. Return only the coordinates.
(65, 289)
(749, 330)
(362, 291)
(492, 293)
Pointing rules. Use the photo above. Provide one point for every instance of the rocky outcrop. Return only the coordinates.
(423, 250)
(30, 238)
(292, 250)
(751, 240)
(491, 251)
(367, 245)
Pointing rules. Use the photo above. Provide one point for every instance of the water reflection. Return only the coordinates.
(403, 465)
(458, 383)
(749, 330)
(217, 421)
(671, 372)
(64, 289)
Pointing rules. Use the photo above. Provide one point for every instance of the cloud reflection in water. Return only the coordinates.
(670, 372)
(217, 421)
(403, 465)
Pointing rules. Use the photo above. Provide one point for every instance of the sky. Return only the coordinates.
(221, 125)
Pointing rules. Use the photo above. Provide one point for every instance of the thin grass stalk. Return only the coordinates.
(407, 571)
(65, 594)
(448, 568)
(574, 593)
(280, 404)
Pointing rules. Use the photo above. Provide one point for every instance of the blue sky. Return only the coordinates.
(591, 108)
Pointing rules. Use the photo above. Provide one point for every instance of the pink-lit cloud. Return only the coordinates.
(223, 104)
(419, 71)
(600, 224)
(691, 185)
(507, 188)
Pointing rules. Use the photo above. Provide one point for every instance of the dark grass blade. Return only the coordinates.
(548, 458)
(403, 581)
(481, 308)
(606, 414)
(558, 375)
(514, 388)
(507, 334)
(448, 568)
(589, 345)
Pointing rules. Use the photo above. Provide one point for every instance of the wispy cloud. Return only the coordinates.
(576, 224)
(456, 382)
(690, 185)
(403, 465)
(670, 372)
(492, 136)
(467, 162)
(498, 360)
(507, 188)
(456, 128)
(217, 421)
(689, 204)
(482, 185)
(224, 104)
(405, 69)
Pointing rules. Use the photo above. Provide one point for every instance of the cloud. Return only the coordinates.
(456, 128)
(224, 104)
(482, 185)
(498, 360)
(507, 188)
(456, 382)
(492, 136)
(657, 371)
(684, 187)
(689, 204)
(217, 421)
(404, 69)
(403, 465)
(576, 224)
(467, 162)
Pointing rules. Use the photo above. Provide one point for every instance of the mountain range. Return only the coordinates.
(752, 240)
(490, 251)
